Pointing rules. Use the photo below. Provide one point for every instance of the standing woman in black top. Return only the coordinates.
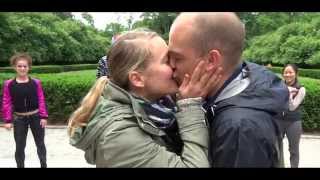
(23, 105)
(290, 122)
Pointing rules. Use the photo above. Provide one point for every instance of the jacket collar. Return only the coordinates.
(115, 93)
(238, 81)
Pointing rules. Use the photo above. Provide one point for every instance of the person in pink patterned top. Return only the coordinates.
(24, 106)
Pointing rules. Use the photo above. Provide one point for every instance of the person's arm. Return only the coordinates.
(6, 103)
(132, 147)
(41, 101)
(295, 101)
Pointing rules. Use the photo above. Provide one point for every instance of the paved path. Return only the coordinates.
(309, 151)
(61, 154)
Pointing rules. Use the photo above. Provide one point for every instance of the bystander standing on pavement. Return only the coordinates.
(23, 105)
(290, 120)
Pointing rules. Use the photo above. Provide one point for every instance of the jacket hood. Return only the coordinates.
(266, 91)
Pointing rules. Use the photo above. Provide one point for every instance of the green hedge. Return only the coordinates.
(64, 91)
(53, 68)
(311, 73)
(291, 42)
(311, 106)
(50, 39)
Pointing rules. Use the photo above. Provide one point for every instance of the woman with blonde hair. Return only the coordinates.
(119, 122)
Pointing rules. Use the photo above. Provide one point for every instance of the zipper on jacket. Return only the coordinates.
(212, 108)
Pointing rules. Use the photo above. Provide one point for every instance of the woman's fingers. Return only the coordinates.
(8, 126)
(208, 73)
(185, 82)
(197, 73)
(43, 123)
(213, 81)
(204, 80)
(184, 87)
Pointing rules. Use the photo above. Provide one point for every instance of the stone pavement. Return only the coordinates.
(61, 154)
(309, 151)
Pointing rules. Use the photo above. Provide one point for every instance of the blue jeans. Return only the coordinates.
(20, 127)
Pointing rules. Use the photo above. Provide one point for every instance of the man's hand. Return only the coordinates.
(8, 126)
(203, 81)
(43, 123)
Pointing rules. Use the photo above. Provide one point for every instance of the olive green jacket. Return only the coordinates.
(119, 134)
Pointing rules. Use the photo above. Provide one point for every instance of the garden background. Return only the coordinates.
(66, 51)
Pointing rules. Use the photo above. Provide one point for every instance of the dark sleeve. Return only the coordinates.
(99, 68)
(102, 67)
(238, 143)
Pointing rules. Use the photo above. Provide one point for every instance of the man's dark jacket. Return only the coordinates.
(243, 130)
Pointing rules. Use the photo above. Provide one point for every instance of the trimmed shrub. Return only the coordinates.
(311, 108)
(64, 92)
(310, 105)
(54, 68)
(311, 73)
(292, 42)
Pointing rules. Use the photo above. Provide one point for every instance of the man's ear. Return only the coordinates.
(214, 58)
(136, 79)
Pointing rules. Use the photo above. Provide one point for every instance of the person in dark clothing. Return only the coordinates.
(290, 120)
(24, 103)
(102, 69)
(241, 111)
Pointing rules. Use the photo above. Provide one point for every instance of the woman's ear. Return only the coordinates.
(136, 79)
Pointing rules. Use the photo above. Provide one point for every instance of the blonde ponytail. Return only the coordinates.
(80, 116)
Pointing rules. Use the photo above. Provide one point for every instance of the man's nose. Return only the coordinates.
(172, 64)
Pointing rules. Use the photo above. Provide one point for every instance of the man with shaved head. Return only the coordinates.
(241, 111)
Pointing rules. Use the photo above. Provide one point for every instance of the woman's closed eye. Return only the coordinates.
(165, 60)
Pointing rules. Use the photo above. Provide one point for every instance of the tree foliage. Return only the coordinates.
(158, 22)
(114, 28)
(50, 38)
(64, 15)
(57, 38)
(292, 42)
(88, 18)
